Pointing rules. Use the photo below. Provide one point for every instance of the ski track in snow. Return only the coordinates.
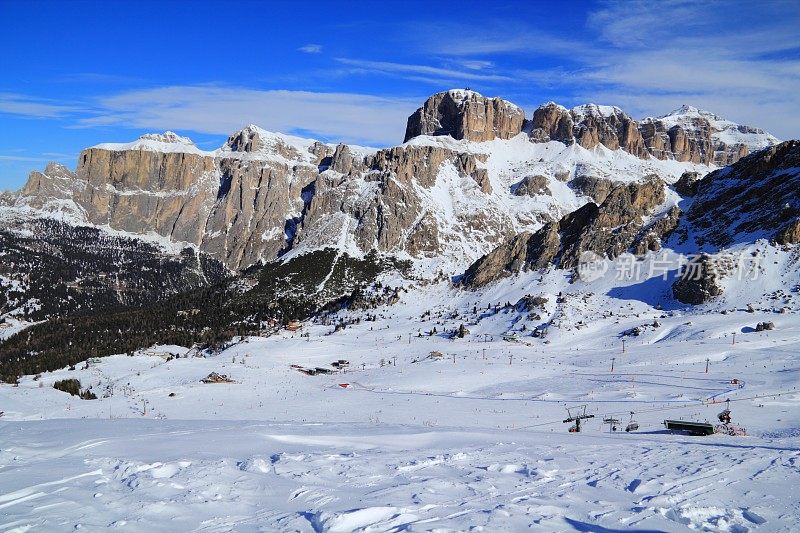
(475, 440)
(204, 476)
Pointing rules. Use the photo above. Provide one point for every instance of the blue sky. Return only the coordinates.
(74, 74)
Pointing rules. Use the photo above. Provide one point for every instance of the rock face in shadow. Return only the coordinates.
(465, 114)
(698, 282)
(757, 197)
(608, 229)
(687, 184)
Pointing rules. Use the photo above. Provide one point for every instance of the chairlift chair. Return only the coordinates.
(633, 425)
(725, 416)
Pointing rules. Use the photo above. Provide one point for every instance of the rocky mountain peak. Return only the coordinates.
(169, 137)
(588, 125)
(598, 111)
(685, 110)
(57, 169)
(249, 139)
(466, 114)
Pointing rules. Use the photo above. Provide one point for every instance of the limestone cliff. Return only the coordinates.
(465, 114)
(687, 134)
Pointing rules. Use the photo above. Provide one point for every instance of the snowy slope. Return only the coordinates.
(475, 439)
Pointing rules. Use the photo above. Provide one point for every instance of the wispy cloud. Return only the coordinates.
(477, 64)
(311, 48)
(4, 157)
(28, 106)
(423, 72)
(344, 117)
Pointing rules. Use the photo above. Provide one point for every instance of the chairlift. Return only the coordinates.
(725, 415)
(612, 423)
(633, 425)
(576, 414)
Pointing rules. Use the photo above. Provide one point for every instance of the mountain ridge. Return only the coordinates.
(262, 194)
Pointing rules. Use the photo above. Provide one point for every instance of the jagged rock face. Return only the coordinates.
(687, 134)
(464, 114)
(675, 142)
(262, 195)
(377, 201)
(56, 181)
(608, 126)
(532, 186)
(501, 262)
(790, 235)
(652, 236)
(588, 125)
(233, 204)
(687, 184)
(607, 230)
(551, 122)
(755, 197)
(247, 222)
(592, 186)
(698, 282)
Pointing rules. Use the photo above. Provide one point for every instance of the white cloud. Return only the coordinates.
(28, 106)
(477, 64)
(21, 158)
(404, 70)
(311, 48)
(343, 117)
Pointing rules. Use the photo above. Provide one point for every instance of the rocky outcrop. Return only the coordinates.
(608, 126)
(791, 234)
(588, 125)
(653, 235)
(754, 198)
(54, 182)
(592, 186)
(696, 136)
(465, 114)
(698, 282)
(376, 200)
(532, 186)
(687, 134)
(608, 229)
(551, 122)
(687, 184)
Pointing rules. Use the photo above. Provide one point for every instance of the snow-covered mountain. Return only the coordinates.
(483, 279)
(471, 173)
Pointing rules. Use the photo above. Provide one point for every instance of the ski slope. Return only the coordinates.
(472, 440)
